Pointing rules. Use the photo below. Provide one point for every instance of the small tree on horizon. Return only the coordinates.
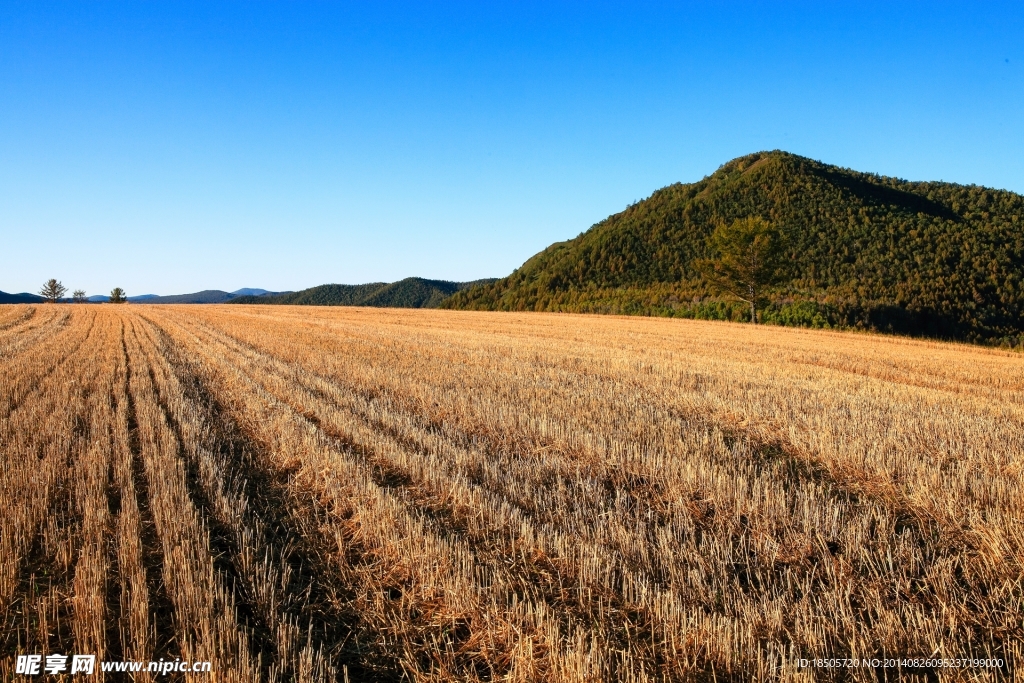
(78, 296)
(750, 258)
(117, 296)
(52, 291)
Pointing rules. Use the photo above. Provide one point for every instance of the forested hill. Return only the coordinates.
(412, 292)
(867, 251)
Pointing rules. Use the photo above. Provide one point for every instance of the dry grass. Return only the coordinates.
(309, 494)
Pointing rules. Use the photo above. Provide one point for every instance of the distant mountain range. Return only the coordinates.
(23, 298)
(867, 251)
(207, 296)
(412, 292)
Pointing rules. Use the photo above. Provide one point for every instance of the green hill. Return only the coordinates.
(867, 251)
(412, 292)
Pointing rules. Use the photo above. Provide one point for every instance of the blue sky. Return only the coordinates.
(173, 147)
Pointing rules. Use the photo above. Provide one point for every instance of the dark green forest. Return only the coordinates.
(412, 292)
(865, 251)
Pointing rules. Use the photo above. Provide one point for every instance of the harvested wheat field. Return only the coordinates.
(315, 494)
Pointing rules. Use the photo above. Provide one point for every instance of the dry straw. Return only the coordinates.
(318, 494)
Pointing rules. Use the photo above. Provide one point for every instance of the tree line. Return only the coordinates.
(53, 291)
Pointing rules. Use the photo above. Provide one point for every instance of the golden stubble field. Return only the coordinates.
(311, 494)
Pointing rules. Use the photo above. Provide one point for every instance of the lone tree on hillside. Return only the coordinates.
(750, 257)
(78, 296)
(117, 296)
(52, 291)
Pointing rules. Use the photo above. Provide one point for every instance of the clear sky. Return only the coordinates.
(173, 147)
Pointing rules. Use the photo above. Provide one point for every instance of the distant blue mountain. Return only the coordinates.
(100, 298)
(207, 296)
(22, 298)
(412, 292)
